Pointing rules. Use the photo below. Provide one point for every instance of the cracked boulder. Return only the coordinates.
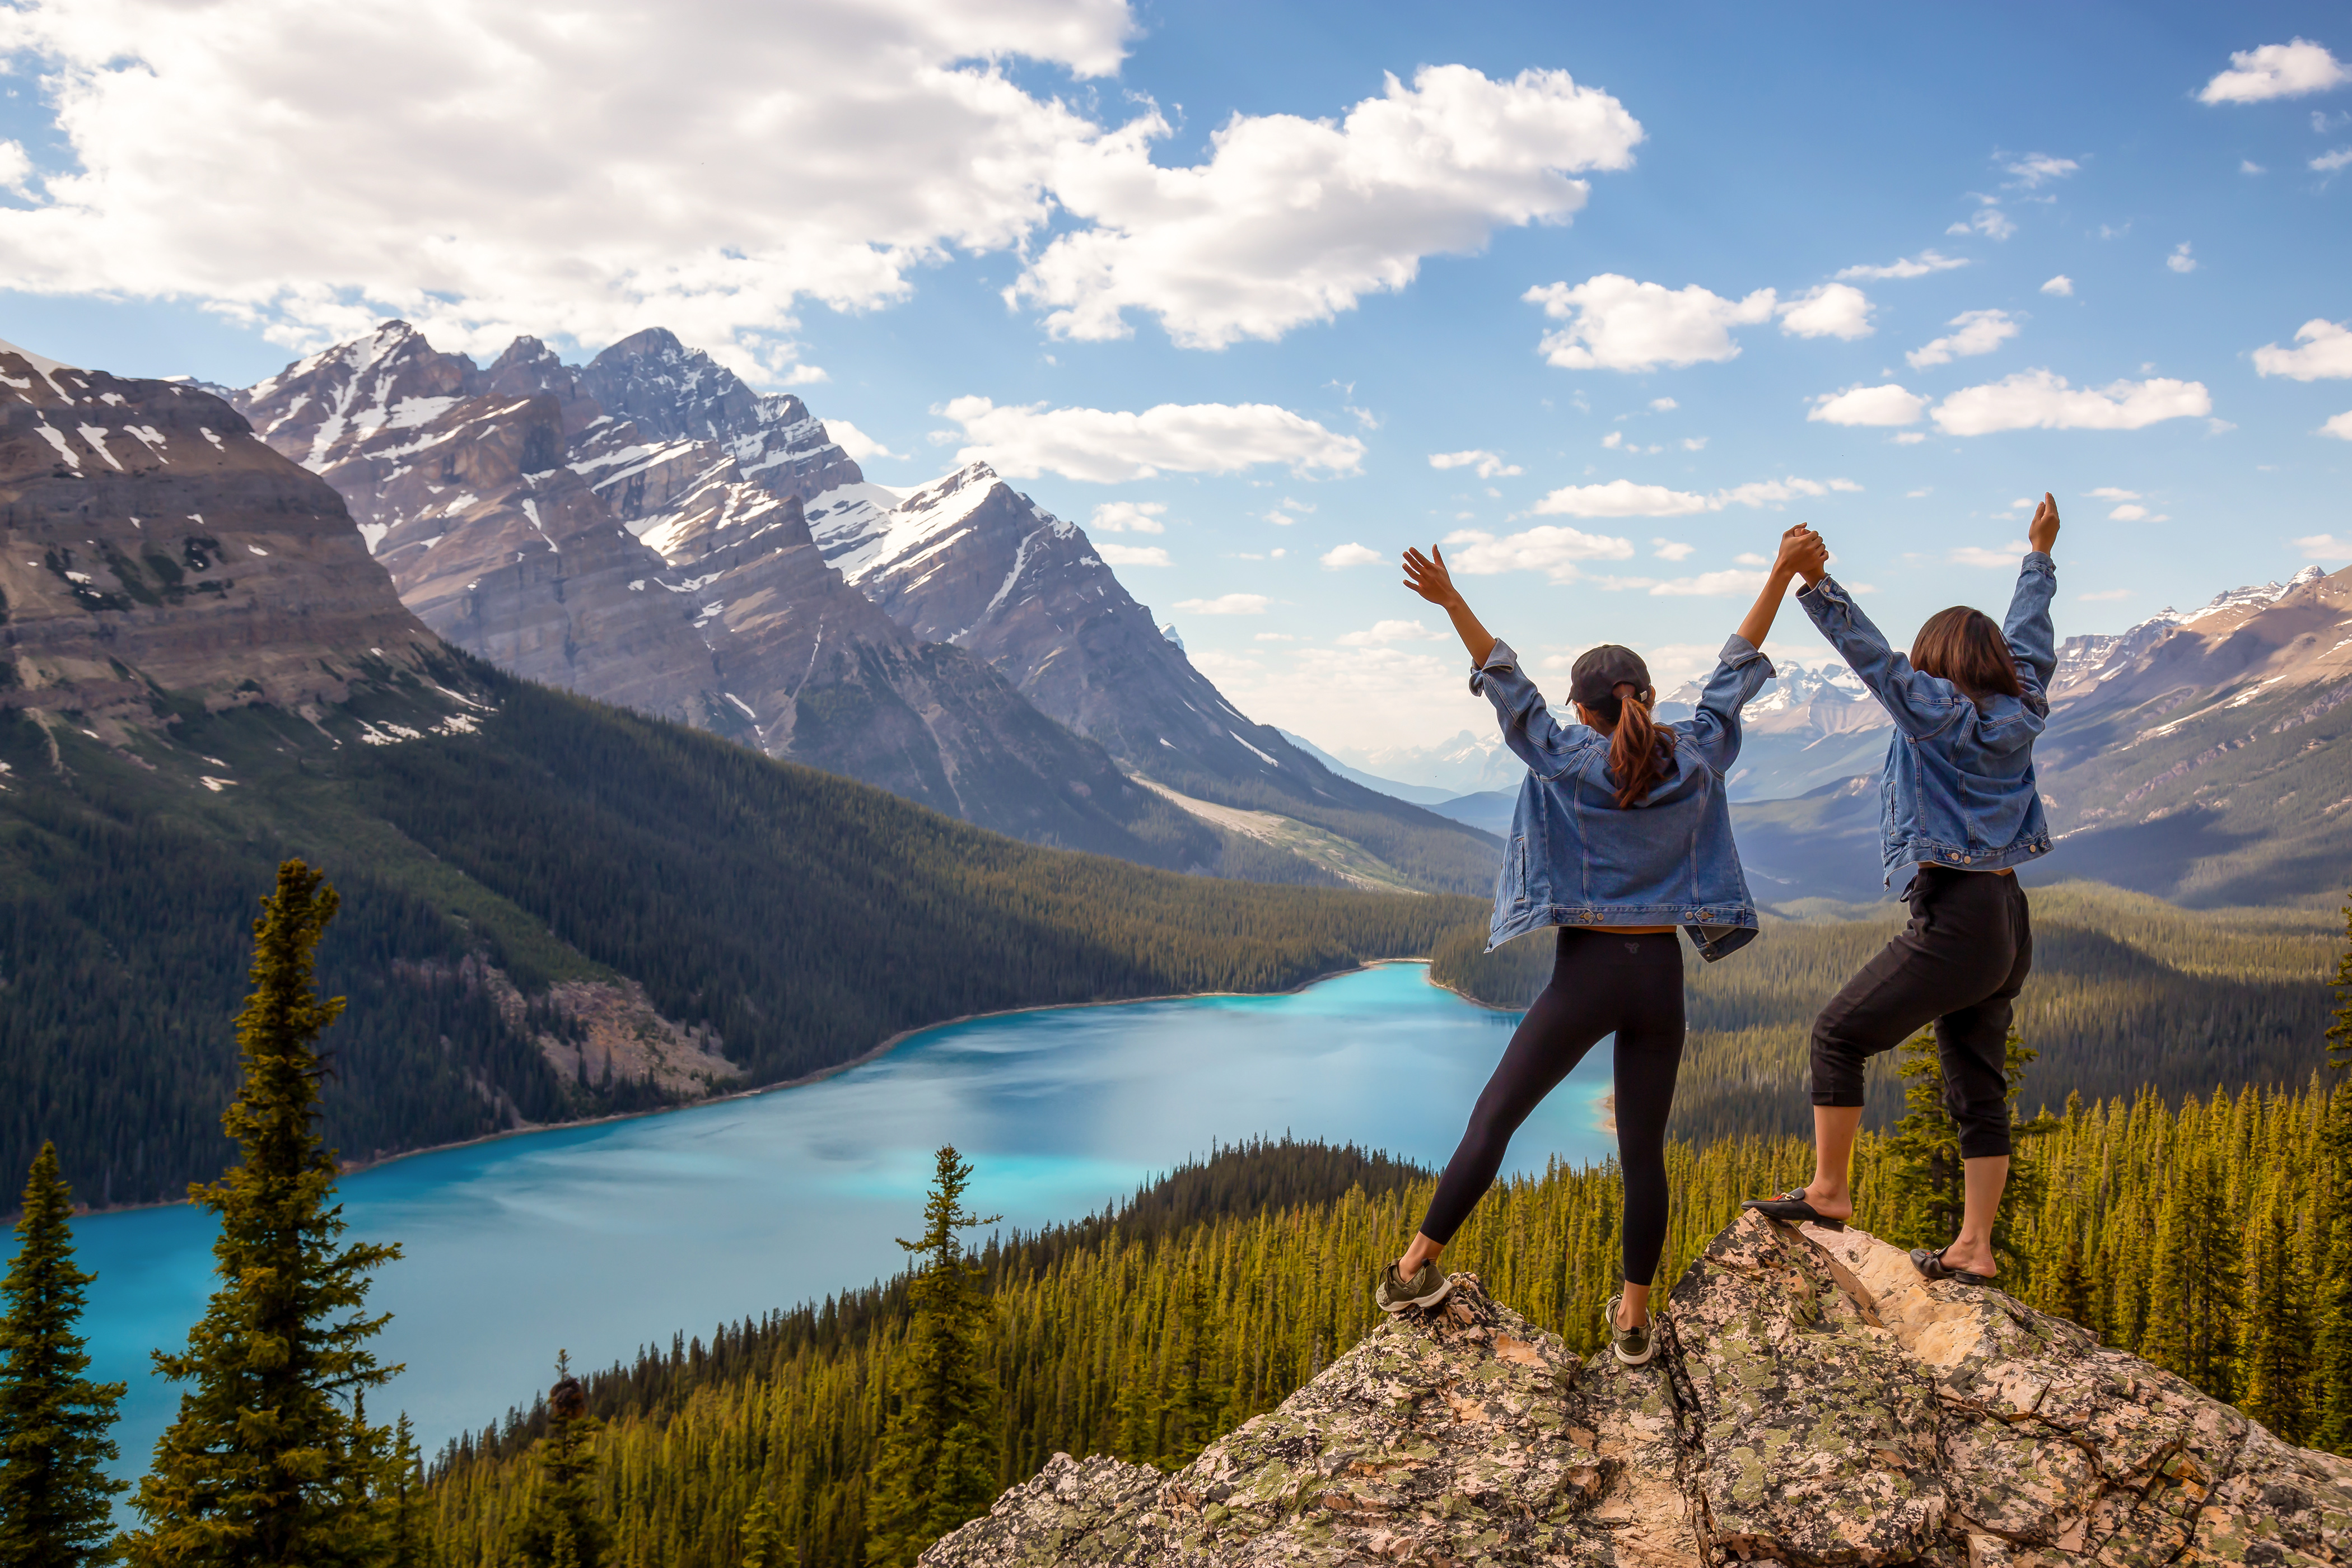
(1814, 1403)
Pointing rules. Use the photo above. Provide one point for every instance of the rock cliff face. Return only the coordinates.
(662, 562)
(1814, 1403)
(149, 542)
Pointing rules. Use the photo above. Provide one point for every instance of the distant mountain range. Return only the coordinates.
(648, 529)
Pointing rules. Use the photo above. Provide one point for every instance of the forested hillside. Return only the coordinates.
(2128, 992)
(2205, 1240)
(790, 919)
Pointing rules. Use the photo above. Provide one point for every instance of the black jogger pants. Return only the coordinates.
(1602, 983)
(1960, 964)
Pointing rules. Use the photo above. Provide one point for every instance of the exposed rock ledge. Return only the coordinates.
(1814, 1402)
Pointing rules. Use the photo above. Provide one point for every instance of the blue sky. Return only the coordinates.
(1315, 311)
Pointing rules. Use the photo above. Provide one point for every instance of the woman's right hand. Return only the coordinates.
(1803, 553)
(1427, 576)
(2043, 531)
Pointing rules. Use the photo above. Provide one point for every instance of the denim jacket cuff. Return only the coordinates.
(1738, 653)
(1500, 659)
(1828, 591)
(2038, 561)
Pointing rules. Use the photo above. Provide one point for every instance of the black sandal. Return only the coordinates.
(1930, 1263)
(1792, 1208)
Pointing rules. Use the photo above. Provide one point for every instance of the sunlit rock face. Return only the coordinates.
(1814, 1403)
(149, 543)
(663, 562)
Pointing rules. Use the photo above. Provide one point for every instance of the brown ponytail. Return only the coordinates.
(1639, 752)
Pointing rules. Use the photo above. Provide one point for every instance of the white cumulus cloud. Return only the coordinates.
(1663, 406)
(2180, 260)
(1129, 517)
(2340, 426)
(2037, 169)
(1351, 554)
(1109, 447)
(1293, 220)
(1706, 584)
(1617, 323)
(1671, 549)
(2275, 70)
(1976, 555)
(1926, 261)
(2109, 492)
(579, 172)
(2325, 546)
(2040, 400)
(857, 442)
(2325, 352)
(1624, 498)
(1889, 404)
(1381, 632)
(2130, 511)
(2062, 286)
(1132, 554)
(2329, 162)
(1487, 464)
(1226, 604)
(1989, 221)
(1831, 310)
(1554, 550)
(1981, 332)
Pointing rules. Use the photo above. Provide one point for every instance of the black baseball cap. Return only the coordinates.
(1600, 671)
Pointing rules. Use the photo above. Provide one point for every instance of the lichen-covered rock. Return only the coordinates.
(1814, 1403)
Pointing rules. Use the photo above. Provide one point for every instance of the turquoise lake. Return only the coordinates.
(600, 1239)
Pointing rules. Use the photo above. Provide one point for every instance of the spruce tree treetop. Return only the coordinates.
(54, 1492)
(272, 1461)
(2340, 1033)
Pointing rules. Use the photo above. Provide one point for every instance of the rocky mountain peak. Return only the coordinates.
(1813, 1402)
(146, 534)
(675, 393)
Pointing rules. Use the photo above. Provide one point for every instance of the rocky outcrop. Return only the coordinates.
(1814, 1403)
(662, 562)
(149, 543)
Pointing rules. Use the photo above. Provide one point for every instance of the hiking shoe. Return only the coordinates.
(1634, 1347)
(1427, 1287)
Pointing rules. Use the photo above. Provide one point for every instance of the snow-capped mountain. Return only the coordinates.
(524, 521)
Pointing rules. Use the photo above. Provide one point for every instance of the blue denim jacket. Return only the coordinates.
(1575, 859)
(1957, 789)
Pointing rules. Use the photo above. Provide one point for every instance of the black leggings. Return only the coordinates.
(1601, 983)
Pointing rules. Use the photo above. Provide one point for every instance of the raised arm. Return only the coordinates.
(1534, 737)
(1743, 670)
(1920, 704)
(2032, 642)
(1427, 576)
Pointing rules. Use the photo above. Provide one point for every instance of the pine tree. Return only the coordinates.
(54, 1494)
(2276, 1371)
(936, 1465)
(2340, 1033)
(271, 1459)
(2332, 1221)
(2193, 1300)
(562, 1528)
(760, 1545)
(409, 1532)
(1925, 1167)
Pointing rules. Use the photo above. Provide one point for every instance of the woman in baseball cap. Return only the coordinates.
(1622, 833)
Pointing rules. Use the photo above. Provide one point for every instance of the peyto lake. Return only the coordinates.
(602, 1238)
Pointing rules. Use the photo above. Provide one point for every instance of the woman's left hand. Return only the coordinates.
(1427, 576)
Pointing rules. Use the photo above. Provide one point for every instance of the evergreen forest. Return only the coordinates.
(2127, 992)
(1148, 1333)
(802, 918)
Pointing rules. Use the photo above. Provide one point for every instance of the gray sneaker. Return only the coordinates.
(1427, 1287)
(1634, 1347)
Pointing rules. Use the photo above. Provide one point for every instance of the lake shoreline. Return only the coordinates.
(356, 1167)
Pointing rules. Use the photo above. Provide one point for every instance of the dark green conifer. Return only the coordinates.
(2276, 1372)
(761, 1547)
(271, 1459)
(2331, 1369)
(2194, 1296)
(1928, 1176)
(938, 1460)
(55, 1511)
(563, 1528)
